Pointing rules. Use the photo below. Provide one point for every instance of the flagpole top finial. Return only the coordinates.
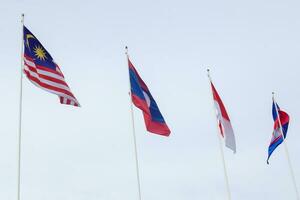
(126, 50)
(273, 95)
(208, 72)
(22, 18)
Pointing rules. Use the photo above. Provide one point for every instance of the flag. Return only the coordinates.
(223, 121)
(282, 120)
(142, 98)
(43, 72)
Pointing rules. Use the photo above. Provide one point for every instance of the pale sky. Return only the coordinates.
(86, 153)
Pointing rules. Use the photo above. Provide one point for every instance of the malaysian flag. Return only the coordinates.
(43, 72)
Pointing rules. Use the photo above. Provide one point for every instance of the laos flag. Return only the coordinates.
(281, 124)
(142, 98)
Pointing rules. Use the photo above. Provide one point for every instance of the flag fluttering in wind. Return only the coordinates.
(142, 98)
(281, 123)
(43, 72)
(223, 121)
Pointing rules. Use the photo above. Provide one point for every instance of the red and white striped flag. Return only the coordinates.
(43, 72)
(223, 120)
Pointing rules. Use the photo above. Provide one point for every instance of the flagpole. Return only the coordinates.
(134, 135)
(221, 150)
(286, 149)
(20, 113)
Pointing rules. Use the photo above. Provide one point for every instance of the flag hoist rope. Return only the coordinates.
(134, 135)
(286, 149)
(20, 115)
(221, 147)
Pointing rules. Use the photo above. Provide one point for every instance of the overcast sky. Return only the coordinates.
(69, 153)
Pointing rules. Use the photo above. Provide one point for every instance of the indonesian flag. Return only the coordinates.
(223, 121)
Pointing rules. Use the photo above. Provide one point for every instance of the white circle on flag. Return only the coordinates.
(147, 98)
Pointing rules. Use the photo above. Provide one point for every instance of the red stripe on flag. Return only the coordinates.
(43, 68)
(49, 78)
(50, 87)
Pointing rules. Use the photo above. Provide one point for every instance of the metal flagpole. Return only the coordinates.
(286, 150)
(221, 149)
(20, 113)
(134, 135)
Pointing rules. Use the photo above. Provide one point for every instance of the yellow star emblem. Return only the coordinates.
(40, 53)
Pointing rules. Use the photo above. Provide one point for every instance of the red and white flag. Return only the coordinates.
(223, 121)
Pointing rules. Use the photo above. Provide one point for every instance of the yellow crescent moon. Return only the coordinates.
(28, 36)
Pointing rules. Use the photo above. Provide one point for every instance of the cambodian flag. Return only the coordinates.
(282, 120)
(142, 98)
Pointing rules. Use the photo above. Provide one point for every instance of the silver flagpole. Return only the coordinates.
(286, 150)
(134, 135)
(20, 113)
(221, 148)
